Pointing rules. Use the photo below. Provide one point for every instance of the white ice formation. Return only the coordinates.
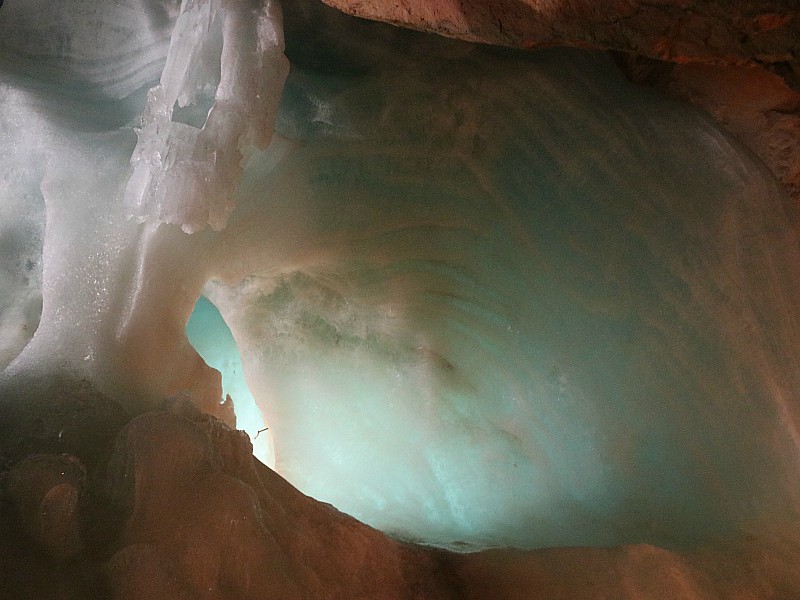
(216, 102)
(116, 291)
(479, 296)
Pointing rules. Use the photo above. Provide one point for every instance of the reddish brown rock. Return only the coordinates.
(206, 520)
(714, 31)
(45, 490)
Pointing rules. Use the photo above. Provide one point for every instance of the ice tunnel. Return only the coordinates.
(473, 297)
(511, 318)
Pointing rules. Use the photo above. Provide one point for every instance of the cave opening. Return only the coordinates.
(211, 337)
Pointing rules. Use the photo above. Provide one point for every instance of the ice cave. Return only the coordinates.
(300, 304)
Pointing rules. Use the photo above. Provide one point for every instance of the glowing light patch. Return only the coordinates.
(212, 339)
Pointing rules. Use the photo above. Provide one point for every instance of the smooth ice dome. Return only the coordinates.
(470, 296)
(515, 322)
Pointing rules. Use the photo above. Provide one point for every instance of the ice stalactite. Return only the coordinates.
(216, 102)
(117, 291)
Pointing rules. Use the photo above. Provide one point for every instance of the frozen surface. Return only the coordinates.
(548, 308)
(116, 291)
(215, 103)
(481, 298)
(94, 51)
(21, 234)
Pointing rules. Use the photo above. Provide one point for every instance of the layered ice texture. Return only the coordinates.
(118, 174)
(481, 298)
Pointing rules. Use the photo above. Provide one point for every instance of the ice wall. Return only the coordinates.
(481, 297)
(117, 291)
(505, 299)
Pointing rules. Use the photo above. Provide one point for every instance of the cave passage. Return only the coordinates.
(481, 297)
(492, 298)
(212, 339)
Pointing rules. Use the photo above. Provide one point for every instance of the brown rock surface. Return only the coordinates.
(187, 513)
(737, 32)
(45, 490)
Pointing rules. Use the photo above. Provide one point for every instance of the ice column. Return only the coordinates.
(216, 102)
(117, 291)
